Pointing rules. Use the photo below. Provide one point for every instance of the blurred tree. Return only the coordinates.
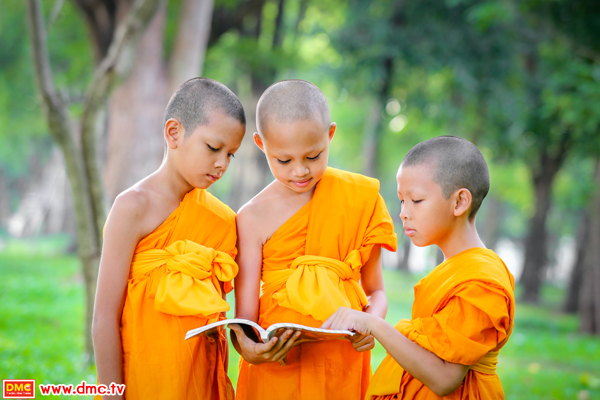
(134, 145)
(78, 138)
(262, 49)
(571, 304)
(18, 108)
(565, 67)
(590, 293)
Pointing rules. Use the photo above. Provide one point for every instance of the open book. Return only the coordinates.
(309, 334)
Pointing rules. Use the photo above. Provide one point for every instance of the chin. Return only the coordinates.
(202, 185)
(419, 243)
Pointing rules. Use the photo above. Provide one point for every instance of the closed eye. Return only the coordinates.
(314, 158)
(417, 201)
(283, 162)
(212, 148)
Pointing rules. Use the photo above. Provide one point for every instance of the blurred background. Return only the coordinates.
(83, 87)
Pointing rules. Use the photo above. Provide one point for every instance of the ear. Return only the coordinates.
(332, 131)
(174, 133)
(258, 141)
(462, 202)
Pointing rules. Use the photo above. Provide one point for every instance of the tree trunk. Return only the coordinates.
(571, 304)
(374, 124)
(78, 139)
(135, 145)
(590, 293)
(536, 252)
(187, 59)
(251, 172)
(135, 135)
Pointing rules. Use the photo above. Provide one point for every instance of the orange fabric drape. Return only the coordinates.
(311, 267)
(175, 284)
(463, 312)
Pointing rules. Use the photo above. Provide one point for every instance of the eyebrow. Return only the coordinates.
(408, 192)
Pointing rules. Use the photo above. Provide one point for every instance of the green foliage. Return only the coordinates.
(20, 116)
(23, 129)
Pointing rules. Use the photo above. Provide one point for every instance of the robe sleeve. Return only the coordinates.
(474, 321)
(379, 231)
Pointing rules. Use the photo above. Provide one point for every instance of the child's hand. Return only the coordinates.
(274, 350)
(362, 342)
(351, 320)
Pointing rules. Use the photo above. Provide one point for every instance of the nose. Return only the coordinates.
(300, 170)
(403, 213)
(222, 161)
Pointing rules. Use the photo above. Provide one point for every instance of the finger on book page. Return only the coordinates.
(281, 354)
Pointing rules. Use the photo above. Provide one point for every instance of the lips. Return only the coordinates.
(409, 231)
(213, 178)
(302, 183)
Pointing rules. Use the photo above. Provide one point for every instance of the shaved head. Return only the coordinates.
(456, 163)
(193, 101)
(290, 101)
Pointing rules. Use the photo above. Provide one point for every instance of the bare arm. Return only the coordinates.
(249, 260)
(372, 283)
(440, 376)
(122, 233)
(247, 292)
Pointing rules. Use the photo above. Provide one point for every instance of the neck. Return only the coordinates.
(463, 237)
(172, 182)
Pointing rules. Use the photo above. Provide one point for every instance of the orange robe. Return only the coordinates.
(311, 267)
(175, 284)
(463, 312)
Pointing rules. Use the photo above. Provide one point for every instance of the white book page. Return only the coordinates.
(197, 331)
(298, 327)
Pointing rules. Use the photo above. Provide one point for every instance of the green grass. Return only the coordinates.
(41, 314)
(41, 329)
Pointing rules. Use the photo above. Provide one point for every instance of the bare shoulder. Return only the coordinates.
(267, 211)
(132, 203)
(252, 210)
(249, 217)
(130, 212)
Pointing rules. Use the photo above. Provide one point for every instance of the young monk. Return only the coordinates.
(167, 258)
(314, 237)
(463, 310)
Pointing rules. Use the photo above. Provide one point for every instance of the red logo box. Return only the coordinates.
(18, 388)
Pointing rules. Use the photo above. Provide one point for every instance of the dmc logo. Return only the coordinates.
(18, 389)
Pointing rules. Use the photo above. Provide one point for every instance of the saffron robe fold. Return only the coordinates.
(463, 312)
(311, 267)
(175, 284)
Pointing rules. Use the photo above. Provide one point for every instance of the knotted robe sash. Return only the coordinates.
(175, 284)
(311, 266)
(347, 218)
(191, 283)
(463, 312)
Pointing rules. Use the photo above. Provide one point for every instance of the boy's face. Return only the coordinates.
(204, 155)
(297, 152)
(426, 214)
